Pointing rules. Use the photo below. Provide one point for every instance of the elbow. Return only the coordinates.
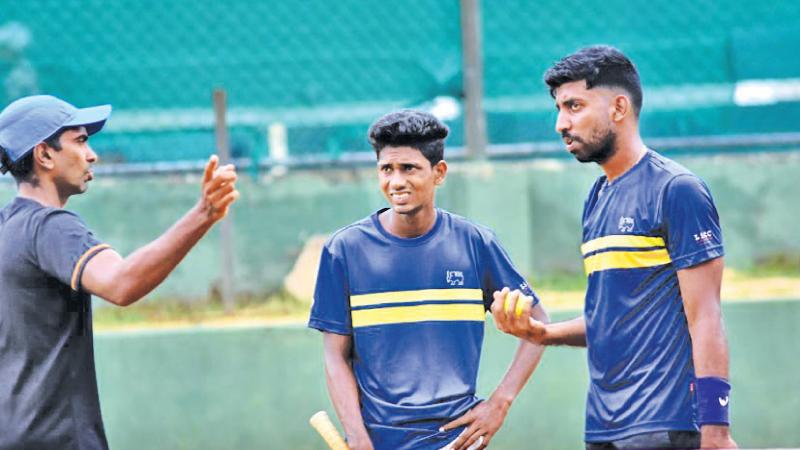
(124, 296)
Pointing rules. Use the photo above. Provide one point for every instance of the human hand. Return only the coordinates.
(218, 190)
(512, 314)
(484, 420)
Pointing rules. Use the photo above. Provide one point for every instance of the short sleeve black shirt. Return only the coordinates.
(48, 388)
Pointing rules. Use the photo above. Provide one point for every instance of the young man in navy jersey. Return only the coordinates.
(652, 249)
(401, 298)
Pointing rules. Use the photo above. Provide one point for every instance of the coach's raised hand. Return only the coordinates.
(218, 190)
(126, 280)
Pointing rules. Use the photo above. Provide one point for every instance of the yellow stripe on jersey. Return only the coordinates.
(79, 265)
(626, 260)
(418, 313)
(415, 296)
(621, 240)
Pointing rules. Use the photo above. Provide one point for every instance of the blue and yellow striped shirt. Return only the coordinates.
(415, 309)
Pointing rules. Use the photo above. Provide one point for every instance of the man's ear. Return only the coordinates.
(439, 172)
(622, 107)
(43, 156)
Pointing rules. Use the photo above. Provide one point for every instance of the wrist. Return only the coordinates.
(545, 336)
(715, 430)
(502, 399)
(201, 215)
(712, 396)
(357, 438)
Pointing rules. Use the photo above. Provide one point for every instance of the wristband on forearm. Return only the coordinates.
(712, 395)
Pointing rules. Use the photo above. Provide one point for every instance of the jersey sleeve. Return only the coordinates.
(64, 245)
(693, 232)
(498, 272)
(330, 310)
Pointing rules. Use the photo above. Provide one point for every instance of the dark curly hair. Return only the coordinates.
(599, 65)
(411, 128)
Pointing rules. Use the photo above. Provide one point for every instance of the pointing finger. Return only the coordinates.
(211, 166)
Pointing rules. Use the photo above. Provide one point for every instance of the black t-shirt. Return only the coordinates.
(48, 388)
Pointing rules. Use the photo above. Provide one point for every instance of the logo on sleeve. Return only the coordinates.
(723, 401)
(704, 237)
(626, 224)
(455, 278)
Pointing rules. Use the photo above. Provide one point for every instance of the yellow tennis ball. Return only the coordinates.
(507, 303)
(521, 301)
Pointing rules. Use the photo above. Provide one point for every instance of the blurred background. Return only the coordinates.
(218, 357)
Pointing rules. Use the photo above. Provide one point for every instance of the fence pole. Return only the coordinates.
(226, 226)
(475, 118)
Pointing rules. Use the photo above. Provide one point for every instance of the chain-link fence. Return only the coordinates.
(323, 70)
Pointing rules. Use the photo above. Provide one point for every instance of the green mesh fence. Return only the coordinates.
(326, 69)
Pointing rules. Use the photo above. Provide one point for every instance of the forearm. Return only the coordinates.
(343, 391)
(570, 332)
(709, 345)
(144, 269)
(522, 366)
(525, 361)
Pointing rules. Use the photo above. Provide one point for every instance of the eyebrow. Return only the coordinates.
(403, 164)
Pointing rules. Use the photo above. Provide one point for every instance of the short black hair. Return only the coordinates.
(411, 128)
(22, 169)
(599, 65)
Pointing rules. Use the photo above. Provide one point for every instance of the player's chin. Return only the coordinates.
(403, 208)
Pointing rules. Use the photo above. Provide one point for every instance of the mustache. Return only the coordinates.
(565, 135)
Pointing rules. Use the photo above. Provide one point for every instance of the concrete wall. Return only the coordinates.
(535, 208)
(256, 388)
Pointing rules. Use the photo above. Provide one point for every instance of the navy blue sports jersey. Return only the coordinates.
(415, 309)
(640, 229)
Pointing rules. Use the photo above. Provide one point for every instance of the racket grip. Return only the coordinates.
(322, 423)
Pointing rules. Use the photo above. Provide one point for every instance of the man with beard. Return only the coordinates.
(652, 249)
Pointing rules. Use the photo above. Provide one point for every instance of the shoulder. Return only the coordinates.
(461, 225)
(675, 178)
(60, 218)
(349, 235)
(35, 217)
(665, 170)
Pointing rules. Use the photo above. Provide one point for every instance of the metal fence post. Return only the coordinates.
(226, 226)
(475, 118)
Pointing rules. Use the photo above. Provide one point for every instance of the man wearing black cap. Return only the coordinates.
(51, 264)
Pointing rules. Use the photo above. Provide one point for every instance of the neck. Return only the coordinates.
(42, 192)
(409, 225)
(629, 152)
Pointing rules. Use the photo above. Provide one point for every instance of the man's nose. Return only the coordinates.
(91, 156)
(398, 180)
(562, 123)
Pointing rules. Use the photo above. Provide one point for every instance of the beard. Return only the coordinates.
(599, 150)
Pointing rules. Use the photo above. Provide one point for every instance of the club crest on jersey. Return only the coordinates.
(626, 224)
(455, 278)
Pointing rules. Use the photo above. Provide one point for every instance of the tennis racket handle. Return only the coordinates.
(322, 423)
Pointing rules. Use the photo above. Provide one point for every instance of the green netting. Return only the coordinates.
(326, 69)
